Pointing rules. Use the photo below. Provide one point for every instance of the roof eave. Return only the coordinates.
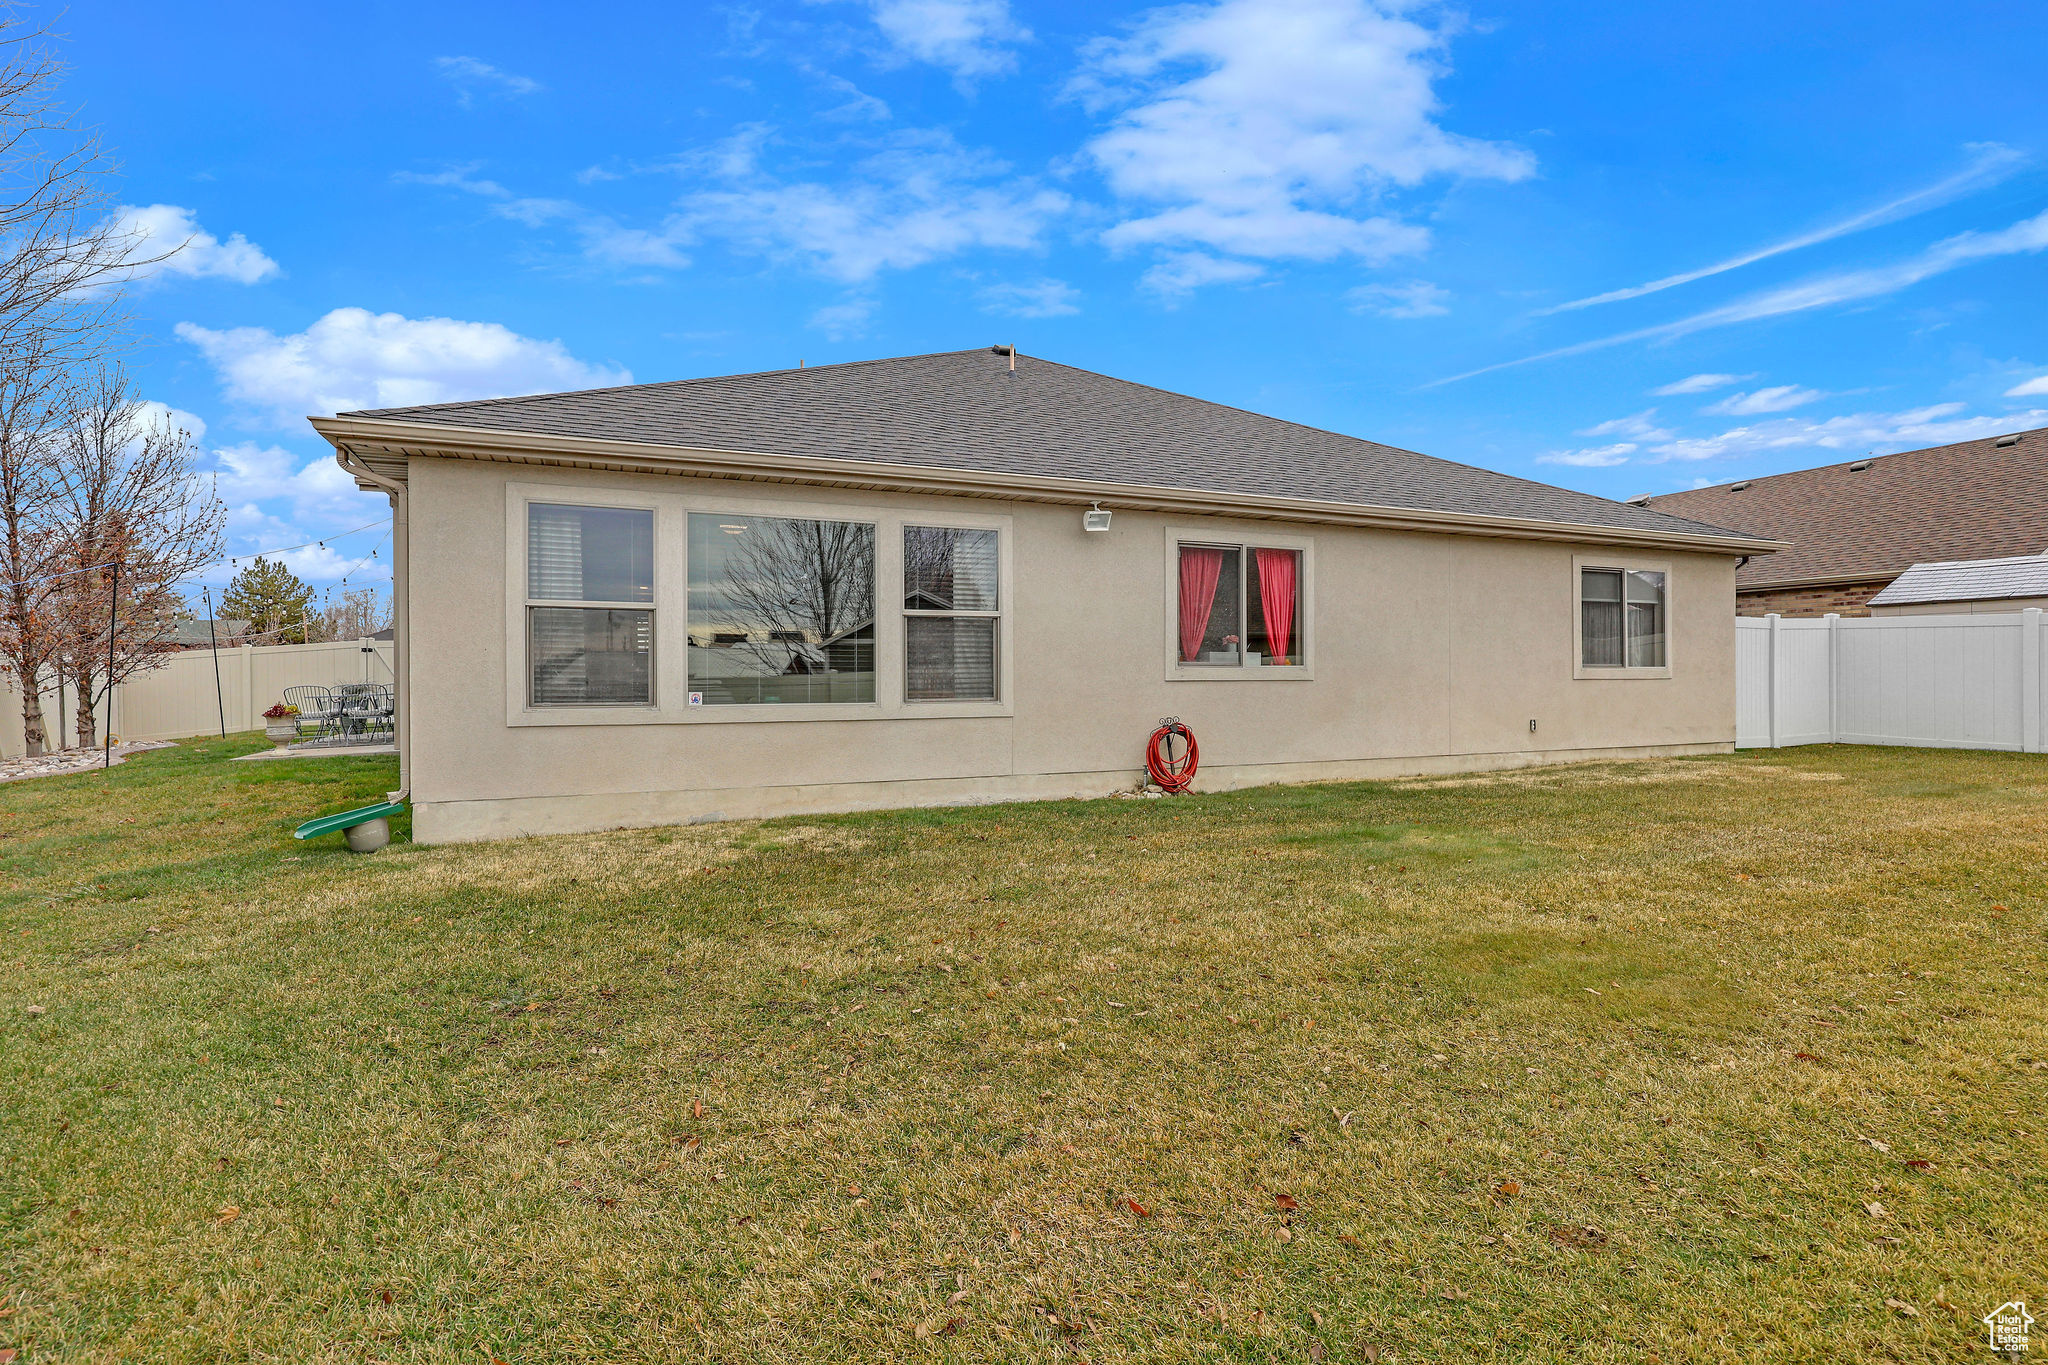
(383, 437)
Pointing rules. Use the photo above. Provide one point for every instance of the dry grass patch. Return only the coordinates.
(1602, 1064)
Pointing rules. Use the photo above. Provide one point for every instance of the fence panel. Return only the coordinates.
(179, 699)
(1963, 681)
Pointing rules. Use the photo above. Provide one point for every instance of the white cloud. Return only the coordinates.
(969, 38)
(1700, 383)
(1990, 163)
(1600, 457)
(1045, 298)
(849, 317)
(191, 423)
(187, 249)
(1183, 272)
(1776, 399)
(1414, 299)
(353, 358)
(1860, 433)
(603, 239)
(921, 198)
(2025, 237)
(1637, 426)
(468, 76)
(2029, 389)
(1267, 128)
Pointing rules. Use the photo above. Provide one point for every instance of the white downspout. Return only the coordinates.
(401, 635)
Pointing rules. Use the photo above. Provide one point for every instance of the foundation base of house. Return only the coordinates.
(443, 822)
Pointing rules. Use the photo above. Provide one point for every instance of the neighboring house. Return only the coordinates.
(187, 633)
(1854, 527)
(1966, 586)
(870, 585)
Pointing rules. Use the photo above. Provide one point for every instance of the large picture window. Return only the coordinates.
(1240, 606)
(1621, 618)
(951, 614)
(589, 605)
(782, 610)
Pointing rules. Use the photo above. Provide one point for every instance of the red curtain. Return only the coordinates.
(1276, 595)
(1200, 567)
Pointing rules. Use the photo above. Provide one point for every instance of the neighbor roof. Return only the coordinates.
(968, 410)
(1971, 500)
(1968, 580)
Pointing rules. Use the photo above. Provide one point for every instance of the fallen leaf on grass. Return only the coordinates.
(1508, 1189)
(1137, 1208)
(1873, 1142)
(1285, 1201)
(1804, 1057)
(1584, 1236)
(697, 1109)
(1874, 1209)
(1920, 1163)
(7, 1355)
(957, 1297)
(1902, 1308)
(225, 1214)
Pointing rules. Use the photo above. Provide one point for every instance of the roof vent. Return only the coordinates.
(1000, 350)
(1738, 487)
(1860, 466)
(1639, 500)
(2011, 440)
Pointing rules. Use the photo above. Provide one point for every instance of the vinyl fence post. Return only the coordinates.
(2030, 680)
(1771, 677)
(248, 653)
(1834, 620)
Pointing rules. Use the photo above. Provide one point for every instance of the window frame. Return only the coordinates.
(1623, 564)
(1241, 538)
(672, 507)
(999, 615)
(527, 603)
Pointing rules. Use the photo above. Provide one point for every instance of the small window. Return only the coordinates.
(1621, 618)
(951, 613)
(782, 610)
(1240, 606)
(589, 596)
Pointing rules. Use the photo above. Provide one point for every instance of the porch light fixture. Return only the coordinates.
(1095, 519)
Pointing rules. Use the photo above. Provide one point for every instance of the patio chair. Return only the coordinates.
(365, 712)
(317, 708)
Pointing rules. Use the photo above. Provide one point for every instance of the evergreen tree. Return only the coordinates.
(272, 599)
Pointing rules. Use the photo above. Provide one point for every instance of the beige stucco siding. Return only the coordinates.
(1426, 653)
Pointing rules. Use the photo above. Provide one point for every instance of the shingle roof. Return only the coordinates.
(1972, 500)
(967, 410)
(1968, 580)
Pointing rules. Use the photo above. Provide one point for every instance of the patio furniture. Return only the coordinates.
(366, 713)
(317, 708)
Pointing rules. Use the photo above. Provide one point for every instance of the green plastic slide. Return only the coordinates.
(328, 824)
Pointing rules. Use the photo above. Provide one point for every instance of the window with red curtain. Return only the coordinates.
(1240, 606)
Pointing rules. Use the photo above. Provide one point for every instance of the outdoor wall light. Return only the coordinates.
(1095, 519)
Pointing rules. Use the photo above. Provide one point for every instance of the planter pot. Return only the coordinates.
(282, 732)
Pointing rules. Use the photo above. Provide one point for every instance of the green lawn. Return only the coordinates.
(1723, 1059)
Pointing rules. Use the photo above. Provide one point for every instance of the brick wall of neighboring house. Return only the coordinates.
(1847, 599)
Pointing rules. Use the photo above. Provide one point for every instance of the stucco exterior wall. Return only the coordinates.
(1427, 653)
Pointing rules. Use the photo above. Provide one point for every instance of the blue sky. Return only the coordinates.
(1622, 248)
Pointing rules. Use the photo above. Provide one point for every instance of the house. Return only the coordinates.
(978, 576)
(1966, 586)
(1856, 526)
(189, 633)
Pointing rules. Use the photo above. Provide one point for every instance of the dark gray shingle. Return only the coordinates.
(968, 410)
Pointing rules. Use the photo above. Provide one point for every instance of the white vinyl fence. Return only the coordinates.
(179, 699)
(1950, 682)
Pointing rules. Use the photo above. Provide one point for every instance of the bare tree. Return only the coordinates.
(808, 582)
(31, 393)
(135, 521)
(360, 613)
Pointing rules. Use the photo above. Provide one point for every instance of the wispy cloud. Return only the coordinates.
(1990, 162)
(1036, 299)
(1779, 398)
(1848, 286)
(1414, 299)
(1598, 457)
(1266, 129)
(1700, 383)
(470, 76)
(1182, 272)
(2029, 388)
(1637, 426)
(970, 38)
(1861, 433)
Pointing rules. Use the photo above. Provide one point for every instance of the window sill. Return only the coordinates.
(1585, 674)
(773, 713)
(1239, 673)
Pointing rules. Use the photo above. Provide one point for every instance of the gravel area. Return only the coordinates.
(70, 761)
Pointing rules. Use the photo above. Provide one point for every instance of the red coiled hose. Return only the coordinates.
(1174, 772)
